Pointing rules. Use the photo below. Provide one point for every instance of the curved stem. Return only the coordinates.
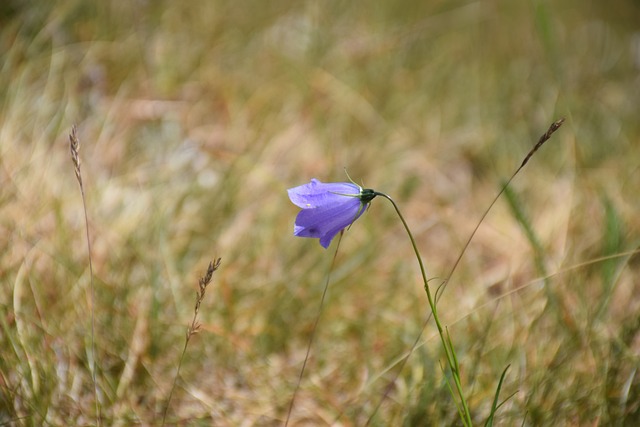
(446, 343)
(449, 349)
(415, 249)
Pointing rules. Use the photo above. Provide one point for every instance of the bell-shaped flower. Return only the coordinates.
(328, 208)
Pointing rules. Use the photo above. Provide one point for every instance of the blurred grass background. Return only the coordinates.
(194, 119)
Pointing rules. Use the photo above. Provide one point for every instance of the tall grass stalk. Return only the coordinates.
(194, 328)
(74, 148)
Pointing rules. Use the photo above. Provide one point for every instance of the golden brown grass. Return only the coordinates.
(195, 118)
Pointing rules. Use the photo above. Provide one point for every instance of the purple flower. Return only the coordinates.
(328, 208)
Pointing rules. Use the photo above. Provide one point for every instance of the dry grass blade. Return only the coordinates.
(74, 148)
(194, 327)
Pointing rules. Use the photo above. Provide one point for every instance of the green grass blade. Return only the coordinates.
(495, 406)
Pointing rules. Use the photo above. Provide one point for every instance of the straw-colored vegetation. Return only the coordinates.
(195, 117)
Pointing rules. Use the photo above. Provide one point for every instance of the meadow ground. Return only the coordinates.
(193, 120)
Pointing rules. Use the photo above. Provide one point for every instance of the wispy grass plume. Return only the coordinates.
(74, 148)
(194, 327)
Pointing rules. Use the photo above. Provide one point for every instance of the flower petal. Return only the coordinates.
(326, 222)
(317, 194)
(325, 240)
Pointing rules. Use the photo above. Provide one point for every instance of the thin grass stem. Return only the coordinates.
(74, 148)
(313, 331)
(194, 328)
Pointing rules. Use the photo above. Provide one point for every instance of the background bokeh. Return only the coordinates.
(195, 117)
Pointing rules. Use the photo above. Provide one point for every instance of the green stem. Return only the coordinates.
(446, 343)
